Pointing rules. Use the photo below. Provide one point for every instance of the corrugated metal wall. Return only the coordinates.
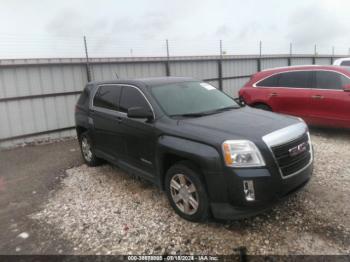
(271, 63)
(302, 61)
(38, 96)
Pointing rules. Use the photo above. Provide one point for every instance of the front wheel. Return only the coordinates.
(186, 192)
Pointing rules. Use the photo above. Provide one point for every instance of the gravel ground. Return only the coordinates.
(105, 211)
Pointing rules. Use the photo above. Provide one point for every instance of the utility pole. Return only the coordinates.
(88, 71)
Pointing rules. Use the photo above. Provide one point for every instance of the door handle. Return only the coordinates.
(273, 94)
(317, 97)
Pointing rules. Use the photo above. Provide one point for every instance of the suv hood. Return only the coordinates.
(244, 123)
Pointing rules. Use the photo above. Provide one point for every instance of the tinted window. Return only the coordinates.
(107, 97)
(269, 82)
(190, 98)
(345, 63)
(345, 81)
(295, 79)
(131, 97)
(330, 80)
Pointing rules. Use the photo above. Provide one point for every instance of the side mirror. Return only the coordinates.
(140, 112)
(346, 88)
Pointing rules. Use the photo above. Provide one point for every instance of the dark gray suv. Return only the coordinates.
(208, 153)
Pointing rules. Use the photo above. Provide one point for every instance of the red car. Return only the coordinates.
(318, 94)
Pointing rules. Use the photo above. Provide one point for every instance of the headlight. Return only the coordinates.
(242, 153)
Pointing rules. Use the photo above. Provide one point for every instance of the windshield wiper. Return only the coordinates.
(221, 110)
(206, 113)
(190, 115)
(226, 108)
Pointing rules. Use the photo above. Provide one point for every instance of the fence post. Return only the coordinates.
(167, 63)
(220, 68)
(315, 54)
(259, 59)
(88, 70)
(332, 57)
(290, 54)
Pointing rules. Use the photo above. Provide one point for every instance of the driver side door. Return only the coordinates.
(139, 134)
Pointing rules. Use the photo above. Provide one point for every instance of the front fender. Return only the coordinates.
(206, 157)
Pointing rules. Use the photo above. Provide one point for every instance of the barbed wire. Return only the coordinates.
(14, 46)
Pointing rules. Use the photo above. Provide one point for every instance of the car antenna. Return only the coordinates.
(116, 74)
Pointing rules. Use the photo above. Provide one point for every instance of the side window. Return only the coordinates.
(345, 81)
(295, 79)
(107, 97)
(131, 97)
(329, 80)
(345, 63)
(271, 81)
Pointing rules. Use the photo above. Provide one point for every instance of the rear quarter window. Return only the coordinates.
(330, 80)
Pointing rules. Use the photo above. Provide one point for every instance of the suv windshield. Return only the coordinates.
(192, 99)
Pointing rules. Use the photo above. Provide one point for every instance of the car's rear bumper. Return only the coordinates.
(268, 193)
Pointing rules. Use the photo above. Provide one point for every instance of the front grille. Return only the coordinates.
(288, 163)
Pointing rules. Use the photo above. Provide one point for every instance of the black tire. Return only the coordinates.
(241, 101)
(263, 107)
(201, 213)
(90, 160)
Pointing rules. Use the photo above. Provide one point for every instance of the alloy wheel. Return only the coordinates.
(86, 148)
(184, 194)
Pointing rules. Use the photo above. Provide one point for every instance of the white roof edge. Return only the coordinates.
(295, 66)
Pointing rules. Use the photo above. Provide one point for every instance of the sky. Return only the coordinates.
(38, 28)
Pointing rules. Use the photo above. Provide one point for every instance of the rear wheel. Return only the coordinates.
(186, 192)
(87, 150)
(263, 107)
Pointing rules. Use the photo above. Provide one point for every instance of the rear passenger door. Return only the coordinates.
(329, 103)
(139, 134)
(107, 135)
(292, 93)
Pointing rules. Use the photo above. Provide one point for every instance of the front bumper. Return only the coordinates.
(269, 190)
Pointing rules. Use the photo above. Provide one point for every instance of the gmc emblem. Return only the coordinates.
(298, 149)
